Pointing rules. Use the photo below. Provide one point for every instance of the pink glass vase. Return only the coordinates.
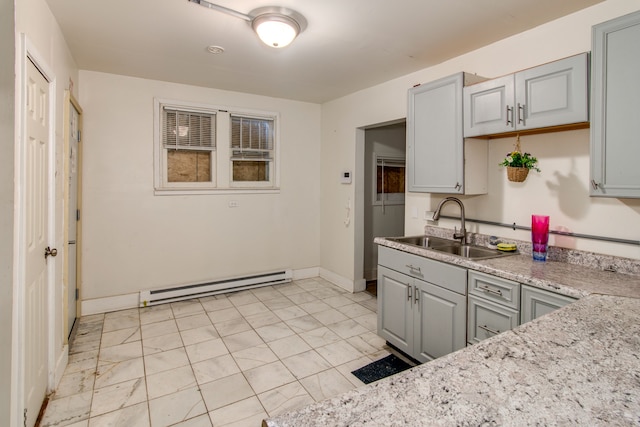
(539, 236)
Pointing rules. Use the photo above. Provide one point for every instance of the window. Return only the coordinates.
(206, 149)
(389, 186)
(252, 141)
(189, 139)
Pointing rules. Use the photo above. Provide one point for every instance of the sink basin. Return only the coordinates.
(451, 247)
(423, 241)
(469, 251)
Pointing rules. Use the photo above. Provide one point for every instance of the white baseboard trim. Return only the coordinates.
(123, 302)
(346, 284)
(306, 273)
(107, 304)
(359, 285)
(61, 364)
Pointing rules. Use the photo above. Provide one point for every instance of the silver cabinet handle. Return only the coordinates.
(521, 117)
(594, 184)
(491, 291)
(413, 268)
(486, 328)
(416, 295)
(409, 293)
(509, 116)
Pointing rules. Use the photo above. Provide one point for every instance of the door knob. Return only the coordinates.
(48, 251)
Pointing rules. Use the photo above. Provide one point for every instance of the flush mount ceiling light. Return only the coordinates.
(276, 26)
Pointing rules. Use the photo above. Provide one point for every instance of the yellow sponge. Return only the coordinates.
(507, 246)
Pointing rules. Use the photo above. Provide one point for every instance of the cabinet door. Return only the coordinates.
(395, 318)
(552, 94)
(538, 302)
(440, 321)
(435, 157)
(487, 319)
(615, 146)
(488, 107)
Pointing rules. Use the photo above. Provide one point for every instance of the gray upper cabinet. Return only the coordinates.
(553, 94)
(615, 146)
(435, 144)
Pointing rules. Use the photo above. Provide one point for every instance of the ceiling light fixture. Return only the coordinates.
(276, 26)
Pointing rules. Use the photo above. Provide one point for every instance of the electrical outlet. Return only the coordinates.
(234, 204)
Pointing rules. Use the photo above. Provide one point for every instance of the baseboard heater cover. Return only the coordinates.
(179, 293)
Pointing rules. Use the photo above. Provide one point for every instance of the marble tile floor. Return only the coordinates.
(226, 360)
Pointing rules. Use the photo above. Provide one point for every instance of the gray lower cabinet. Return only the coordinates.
(493, 306)
(615, 146)
(537, 302)
(421, 304)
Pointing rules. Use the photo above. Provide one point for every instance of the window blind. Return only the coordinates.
(252, 138)
(186, 130)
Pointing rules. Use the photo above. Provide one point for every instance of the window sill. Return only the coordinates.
(213, 191)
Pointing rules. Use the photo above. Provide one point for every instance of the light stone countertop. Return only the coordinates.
(578, 365)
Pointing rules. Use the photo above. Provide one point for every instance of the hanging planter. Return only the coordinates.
(517, 174)
(518, 163)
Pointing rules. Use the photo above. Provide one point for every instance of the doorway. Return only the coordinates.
(384, 191)
(73, 125)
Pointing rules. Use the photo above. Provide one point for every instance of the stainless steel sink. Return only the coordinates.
(470, 251)
(423, 241)
(450, 247)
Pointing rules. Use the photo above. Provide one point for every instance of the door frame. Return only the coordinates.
(69, 103)
(28, 52)
(359, 280)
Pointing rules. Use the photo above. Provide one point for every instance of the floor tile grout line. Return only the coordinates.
(309, 288)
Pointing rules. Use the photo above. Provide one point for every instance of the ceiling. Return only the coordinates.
(348, 45)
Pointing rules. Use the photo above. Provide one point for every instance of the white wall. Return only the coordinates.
(134, 240)
(559, 191)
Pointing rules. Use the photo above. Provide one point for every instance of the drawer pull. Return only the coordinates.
(413, 268)
(486, 328)
(491, 291)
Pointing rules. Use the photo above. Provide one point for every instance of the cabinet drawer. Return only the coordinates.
(496, 289)
(438, 273)
(487, 319)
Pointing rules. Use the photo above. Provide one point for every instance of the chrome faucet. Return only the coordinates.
(462, 235)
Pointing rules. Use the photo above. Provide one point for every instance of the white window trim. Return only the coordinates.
(221, 155)
(391, 158)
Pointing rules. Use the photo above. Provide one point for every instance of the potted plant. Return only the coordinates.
(518, 163)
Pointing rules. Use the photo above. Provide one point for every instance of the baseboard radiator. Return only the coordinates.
(178, 293)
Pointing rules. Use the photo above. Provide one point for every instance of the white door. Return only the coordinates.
(36, 235)
(74, 139)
